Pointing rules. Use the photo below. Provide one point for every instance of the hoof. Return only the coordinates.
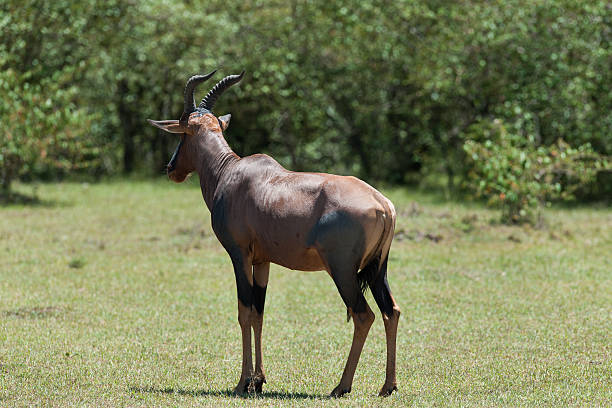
(241, 388)
(387, 390)
(251, 385)
(339, 391)
(255, 384)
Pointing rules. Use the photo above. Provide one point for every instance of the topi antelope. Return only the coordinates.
(263, 213)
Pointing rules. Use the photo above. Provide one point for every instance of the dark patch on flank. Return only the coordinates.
(341, 236)
(259, 297)
(341, 239)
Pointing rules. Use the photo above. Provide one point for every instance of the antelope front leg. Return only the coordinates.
(260, 283)
(244, 284)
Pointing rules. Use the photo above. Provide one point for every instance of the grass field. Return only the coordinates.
(118, 294)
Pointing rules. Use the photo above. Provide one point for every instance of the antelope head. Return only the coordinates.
(196, 123)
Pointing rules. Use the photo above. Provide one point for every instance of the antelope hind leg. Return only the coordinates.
(390, 313)
(363, 317)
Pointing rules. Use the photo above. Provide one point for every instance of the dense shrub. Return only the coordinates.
(511, 171)
(364, 88)
(42, 129)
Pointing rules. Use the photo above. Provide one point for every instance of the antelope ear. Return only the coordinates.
(170, 126)
(225, 119)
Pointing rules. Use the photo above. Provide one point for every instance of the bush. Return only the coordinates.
(511, 171)
(42, 129)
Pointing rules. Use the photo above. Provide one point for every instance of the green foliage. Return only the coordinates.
(511, 171)
(384, 91)
(542, 67)
(44, 117)
(42, 129)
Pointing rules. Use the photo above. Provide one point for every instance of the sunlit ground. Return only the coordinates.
(119, 294)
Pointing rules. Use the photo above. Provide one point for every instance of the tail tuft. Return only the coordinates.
(367, 275)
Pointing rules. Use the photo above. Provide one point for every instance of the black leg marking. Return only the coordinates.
(381, 292)
(244, 288)
(259, 297)
(350, 292)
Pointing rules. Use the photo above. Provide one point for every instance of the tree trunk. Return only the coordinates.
(5, 184)
(450, 179)
(6, 177)
(162, 155)
(127, 136)
(358, 147)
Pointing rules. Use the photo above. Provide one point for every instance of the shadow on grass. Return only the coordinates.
(229, 393)
(18, 199)
(38, 312)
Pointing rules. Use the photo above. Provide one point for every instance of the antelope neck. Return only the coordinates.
(215, 159)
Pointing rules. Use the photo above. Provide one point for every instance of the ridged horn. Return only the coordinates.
(211, 97)
(189, 102)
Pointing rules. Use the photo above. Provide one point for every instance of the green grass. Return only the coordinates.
(118, 294)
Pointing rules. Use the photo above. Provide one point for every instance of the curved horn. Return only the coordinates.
(211, 97)
(189, 102)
